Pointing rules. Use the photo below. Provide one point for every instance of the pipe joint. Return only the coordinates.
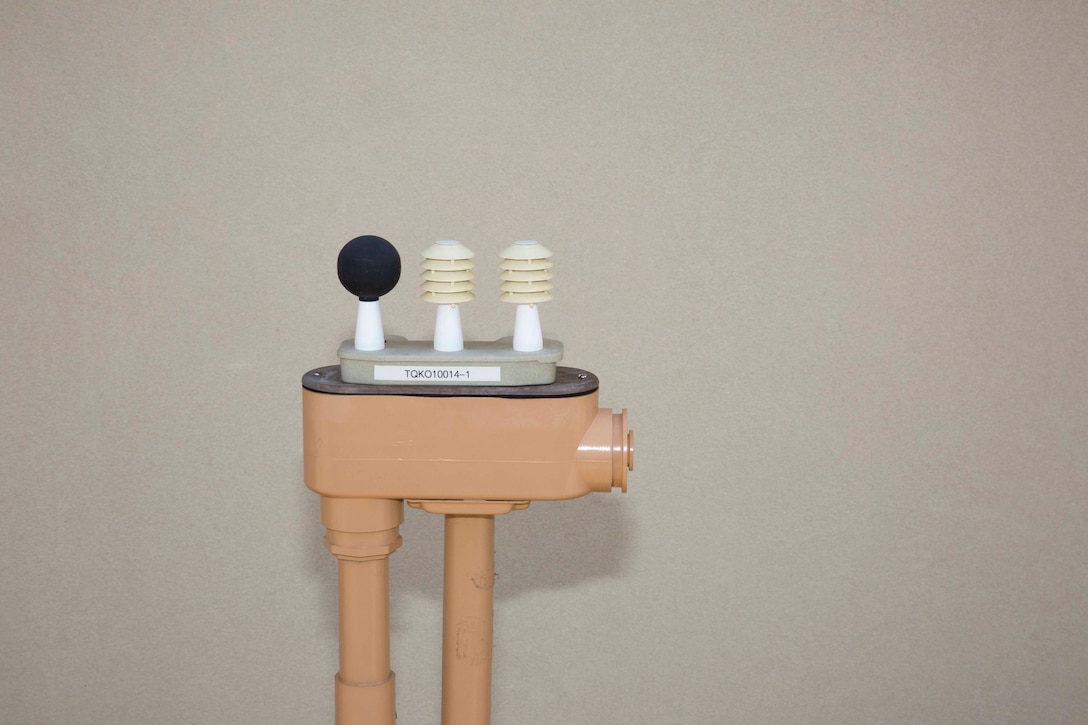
(607, 452)
(362, 546)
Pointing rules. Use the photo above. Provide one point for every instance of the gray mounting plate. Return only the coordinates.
(416, 362)
(569, 383)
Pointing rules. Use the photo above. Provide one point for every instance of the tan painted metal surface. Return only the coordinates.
(396, 446)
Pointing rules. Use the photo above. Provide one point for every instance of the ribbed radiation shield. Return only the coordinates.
(447, 273)
(526, 273)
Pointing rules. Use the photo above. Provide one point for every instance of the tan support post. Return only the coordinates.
(362, 533)
(468, 607)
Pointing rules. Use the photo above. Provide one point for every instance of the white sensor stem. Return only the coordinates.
(369, 334)
(447, 329)
(527, 335)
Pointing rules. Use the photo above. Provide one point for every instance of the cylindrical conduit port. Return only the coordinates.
(607, 452)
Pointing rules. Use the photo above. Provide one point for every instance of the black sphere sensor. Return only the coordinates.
(368, 267)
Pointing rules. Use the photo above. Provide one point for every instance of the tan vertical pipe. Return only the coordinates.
(364, 621)
(362, 534)
(468, 607)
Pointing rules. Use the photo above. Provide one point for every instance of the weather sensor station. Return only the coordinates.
(470, 430)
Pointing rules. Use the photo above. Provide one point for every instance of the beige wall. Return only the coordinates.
(831, 257)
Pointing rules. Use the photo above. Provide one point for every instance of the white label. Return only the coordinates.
(438, 374)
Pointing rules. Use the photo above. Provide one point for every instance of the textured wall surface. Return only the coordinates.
(832, 256)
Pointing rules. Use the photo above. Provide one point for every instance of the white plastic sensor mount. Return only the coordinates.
(447, 282)
(526, 282)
